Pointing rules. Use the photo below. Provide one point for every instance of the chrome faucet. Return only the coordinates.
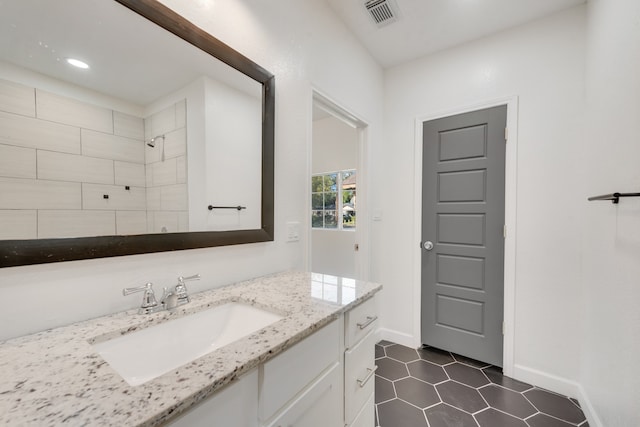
(181, 288)
(169, 300)
(149, 302)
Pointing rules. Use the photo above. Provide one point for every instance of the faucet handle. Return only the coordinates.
(181, 279)
(181, 288)
(148, 298)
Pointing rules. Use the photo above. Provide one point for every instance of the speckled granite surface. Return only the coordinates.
(55, 377)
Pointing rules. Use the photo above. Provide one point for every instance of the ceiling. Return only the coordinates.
(38, 35)
(427, 26)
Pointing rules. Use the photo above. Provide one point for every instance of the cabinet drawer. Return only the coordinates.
(359, 376)
(360, 321)
(234, 405)
(284, 376)
(366, 417)
(317, 406)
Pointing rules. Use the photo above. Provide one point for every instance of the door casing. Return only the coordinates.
(362, 228)
(510, 220)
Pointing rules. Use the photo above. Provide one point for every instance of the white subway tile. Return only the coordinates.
(150, 222)
(163, 121)
(131, 222)
(176, 143)
(18, 224)
(181, 114)
(75, 168)
(118, 198)
(17, 98)
(65, 110)
(163, 173)
(183, 221)
(17, 162)
(173, 198)
(132, 174)
(128, 126)
(76, 223)
(33, 133)
(165, 222)
(181, 166)
(37, 194)
(153, 198)
(105, 146)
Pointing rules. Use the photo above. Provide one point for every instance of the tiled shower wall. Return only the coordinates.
(166, 181)
(72, 169)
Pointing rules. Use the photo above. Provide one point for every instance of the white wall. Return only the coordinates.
(541, 63)
(305, 46)
(335, 148)
(610, 373)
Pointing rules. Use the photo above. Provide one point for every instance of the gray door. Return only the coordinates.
(463, 233)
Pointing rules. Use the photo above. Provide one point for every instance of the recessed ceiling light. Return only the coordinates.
(78, 63)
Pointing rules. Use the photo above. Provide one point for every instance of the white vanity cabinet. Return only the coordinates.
(234, 405)
(359, 364)
(325, 380)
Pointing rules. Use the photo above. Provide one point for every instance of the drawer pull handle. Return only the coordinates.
(370, 320)
(366, 379)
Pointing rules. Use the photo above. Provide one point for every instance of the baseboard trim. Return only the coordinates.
(396, 337)
(558, 385)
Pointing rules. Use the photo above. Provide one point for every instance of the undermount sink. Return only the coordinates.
(146, 354)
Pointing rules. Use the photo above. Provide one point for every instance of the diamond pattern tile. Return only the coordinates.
(429, 387)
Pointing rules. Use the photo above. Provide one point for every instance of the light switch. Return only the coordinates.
(293, 231)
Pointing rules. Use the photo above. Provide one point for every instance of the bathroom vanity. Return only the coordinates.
(314, 366)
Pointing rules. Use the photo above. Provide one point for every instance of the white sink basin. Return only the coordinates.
(146, 354)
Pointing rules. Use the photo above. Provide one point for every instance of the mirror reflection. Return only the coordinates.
(139, 136)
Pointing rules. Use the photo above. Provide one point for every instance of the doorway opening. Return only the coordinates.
(337, 186)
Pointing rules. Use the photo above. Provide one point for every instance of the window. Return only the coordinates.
(333, 200)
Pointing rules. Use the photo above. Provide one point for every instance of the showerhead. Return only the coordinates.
(152, 141)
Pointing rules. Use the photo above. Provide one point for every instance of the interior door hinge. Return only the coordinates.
(504, 231)
(506, 134)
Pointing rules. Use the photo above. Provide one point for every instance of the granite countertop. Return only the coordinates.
(55, 377)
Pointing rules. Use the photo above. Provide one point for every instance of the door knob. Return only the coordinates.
(428, 245)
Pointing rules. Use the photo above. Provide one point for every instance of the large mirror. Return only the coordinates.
(160, 138)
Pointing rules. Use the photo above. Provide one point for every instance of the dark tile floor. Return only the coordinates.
(434, 388)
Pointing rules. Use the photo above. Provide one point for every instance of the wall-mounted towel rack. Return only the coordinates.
(239, 208)
(614, 197)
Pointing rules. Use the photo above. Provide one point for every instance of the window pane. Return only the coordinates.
(330, 219)
(316, 184)
(330, 182)
(349, 219)
(316, 201)
(349, 180)
(316, 219)
(329, 200)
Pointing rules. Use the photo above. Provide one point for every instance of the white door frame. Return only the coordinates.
(510, 208)
(332, 107)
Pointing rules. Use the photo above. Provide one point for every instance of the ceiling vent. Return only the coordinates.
(383, 12)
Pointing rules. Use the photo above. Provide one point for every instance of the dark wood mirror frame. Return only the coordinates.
(25, 252)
